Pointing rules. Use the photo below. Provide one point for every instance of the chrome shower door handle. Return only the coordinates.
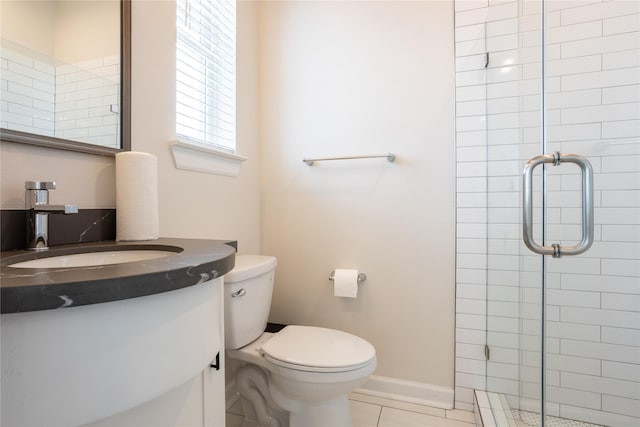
(555, 249)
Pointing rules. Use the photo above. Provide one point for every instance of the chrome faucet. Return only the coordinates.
(38, 210)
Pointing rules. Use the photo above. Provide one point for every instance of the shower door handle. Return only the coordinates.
(555, 249)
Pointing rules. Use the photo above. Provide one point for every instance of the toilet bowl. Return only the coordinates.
(300, 376)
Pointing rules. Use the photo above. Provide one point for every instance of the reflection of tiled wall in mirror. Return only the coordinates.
(28, 93)
(79, 101)
(87, 101)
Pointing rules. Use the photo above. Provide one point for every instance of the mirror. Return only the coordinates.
(66, 75)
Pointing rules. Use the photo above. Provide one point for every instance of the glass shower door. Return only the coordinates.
(591, 356)
(543, 335)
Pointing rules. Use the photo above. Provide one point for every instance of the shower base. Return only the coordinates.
(492, 410)
(531, 419)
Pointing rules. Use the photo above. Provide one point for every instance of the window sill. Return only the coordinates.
(197, 158)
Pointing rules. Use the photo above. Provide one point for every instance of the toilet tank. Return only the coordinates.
(246, 313)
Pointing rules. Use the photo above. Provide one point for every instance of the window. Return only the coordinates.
(206, 73)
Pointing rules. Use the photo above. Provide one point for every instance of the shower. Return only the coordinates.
(548, 148)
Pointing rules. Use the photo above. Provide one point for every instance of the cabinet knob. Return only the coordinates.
(242, 292)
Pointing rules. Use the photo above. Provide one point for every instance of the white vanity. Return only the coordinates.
(129, 343)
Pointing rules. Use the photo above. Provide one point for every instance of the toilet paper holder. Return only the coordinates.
(361, 277)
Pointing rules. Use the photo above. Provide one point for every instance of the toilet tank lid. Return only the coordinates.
(249, 266)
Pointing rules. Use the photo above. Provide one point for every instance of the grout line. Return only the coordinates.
(379, 416)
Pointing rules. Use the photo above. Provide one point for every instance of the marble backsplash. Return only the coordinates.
(88, 225)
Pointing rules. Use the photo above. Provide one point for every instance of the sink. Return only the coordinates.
(90, 255)
(92, 259)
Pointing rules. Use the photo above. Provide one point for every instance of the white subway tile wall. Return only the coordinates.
(593, 300)
(71, 101)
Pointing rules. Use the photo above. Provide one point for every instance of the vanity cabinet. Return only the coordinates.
(126, 344)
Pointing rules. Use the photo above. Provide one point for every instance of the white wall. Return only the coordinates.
(86, 180)
(344, 78)
(191, 204)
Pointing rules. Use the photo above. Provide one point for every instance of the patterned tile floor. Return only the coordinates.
(369, 411)
(496, 412)
(531, 419)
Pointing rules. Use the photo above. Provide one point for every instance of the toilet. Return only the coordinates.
(297, 377)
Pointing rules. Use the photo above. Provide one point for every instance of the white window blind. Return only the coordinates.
(206, 72)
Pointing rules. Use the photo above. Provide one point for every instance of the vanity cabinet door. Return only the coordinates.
(181, 407)
(200, 402)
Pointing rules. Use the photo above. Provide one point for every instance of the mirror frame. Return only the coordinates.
(125, 104)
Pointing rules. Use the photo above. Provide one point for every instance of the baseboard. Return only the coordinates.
(408, 391)
(387, 388)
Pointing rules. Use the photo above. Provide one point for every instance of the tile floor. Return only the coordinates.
(369, 411)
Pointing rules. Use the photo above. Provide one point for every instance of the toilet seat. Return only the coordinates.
(313, 349)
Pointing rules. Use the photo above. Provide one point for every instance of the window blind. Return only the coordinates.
(206, 72)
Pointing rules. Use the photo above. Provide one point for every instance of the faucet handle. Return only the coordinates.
(40, 185)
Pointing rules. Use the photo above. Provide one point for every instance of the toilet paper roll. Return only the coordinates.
(345, 283)
(137, 196)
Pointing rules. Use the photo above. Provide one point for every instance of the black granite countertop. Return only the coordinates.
(30, 289)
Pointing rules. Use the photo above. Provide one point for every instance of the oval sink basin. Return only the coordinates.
(92, 259)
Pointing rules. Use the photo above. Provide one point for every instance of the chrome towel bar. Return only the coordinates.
(361, 277)
(389, 156)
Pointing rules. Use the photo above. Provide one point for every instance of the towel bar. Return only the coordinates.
(389, 156)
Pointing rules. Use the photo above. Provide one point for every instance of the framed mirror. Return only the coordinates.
(66, 74)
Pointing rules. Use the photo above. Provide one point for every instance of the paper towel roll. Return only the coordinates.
(345, 283)
(137, 196)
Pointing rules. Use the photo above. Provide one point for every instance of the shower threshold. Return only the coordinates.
(492, 410)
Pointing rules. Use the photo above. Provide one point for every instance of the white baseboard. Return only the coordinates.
(408, 391)
(387, 388)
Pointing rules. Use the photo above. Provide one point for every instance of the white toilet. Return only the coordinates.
(297, 377)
